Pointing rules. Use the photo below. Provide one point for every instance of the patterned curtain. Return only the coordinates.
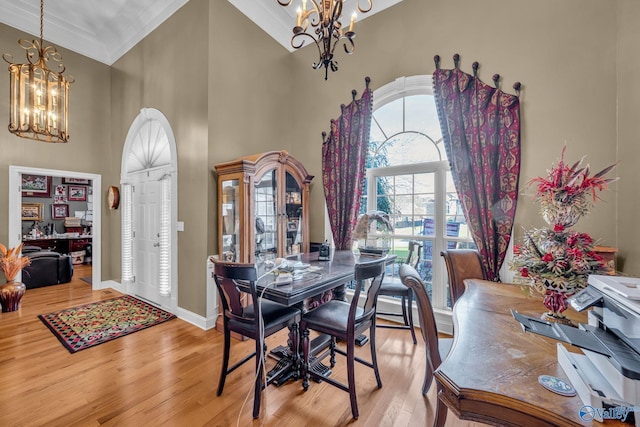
(344, 153)
(481, 131)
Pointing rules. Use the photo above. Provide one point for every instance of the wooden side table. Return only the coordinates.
(609, 255)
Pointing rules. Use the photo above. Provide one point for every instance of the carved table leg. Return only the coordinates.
(305, 356)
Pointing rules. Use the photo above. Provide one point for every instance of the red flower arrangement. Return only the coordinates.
(562, 194)
(556, 261)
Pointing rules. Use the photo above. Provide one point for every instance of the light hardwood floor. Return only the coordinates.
(168, 375)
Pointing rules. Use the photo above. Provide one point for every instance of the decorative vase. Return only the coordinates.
(555, 294)
(567, 214)
(10, 295)
(556, 303)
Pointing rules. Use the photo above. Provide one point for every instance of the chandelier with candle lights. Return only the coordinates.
(326, 29)
(39, 97)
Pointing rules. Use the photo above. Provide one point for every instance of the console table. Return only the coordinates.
(491, 373)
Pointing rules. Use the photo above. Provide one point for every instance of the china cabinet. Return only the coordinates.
(263, 207)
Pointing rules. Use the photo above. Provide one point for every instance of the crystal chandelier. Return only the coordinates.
(324, 18)
(39, 97)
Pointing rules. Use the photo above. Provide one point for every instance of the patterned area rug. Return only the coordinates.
(88, 325)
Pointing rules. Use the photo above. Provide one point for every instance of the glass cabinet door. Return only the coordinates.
(293, 214)
(230, 211)
(266, 216)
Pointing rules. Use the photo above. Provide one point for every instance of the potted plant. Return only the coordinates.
(11, 263)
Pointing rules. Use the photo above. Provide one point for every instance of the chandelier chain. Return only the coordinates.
(41, 23)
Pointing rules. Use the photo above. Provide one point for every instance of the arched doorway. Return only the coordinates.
(149, 210)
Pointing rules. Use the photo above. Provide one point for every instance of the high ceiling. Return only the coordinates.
(106, 30)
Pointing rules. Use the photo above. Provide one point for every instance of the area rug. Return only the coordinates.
(88, 325)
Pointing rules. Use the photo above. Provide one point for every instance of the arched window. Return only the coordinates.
(408, 177)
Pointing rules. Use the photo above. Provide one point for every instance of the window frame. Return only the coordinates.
(402, 88)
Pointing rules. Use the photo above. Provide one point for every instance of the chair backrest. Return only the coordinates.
(412, 280)
(415, 253)
(461, 264)
(364, 271)
(226, 275)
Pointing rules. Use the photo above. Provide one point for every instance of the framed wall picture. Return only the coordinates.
(31, 211)
(36, 185)
(77, 193)
(75, 181)
(59, 211)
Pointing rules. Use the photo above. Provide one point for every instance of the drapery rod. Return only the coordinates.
(475, 65)
(367, 80)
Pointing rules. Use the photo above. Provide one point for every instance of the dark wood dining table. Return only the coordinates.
(319, 282)
(317, 279)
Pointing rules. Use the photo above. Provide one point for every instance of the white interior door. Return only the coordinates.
(147, 207)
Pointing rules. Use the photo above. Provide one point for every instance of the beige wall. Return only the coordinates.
(168, 71)
(628, 137)
(229, 90)
(89, 148)
(566, 66)
(250, 95)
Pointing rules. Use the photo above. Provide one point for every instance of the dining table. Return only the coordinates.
(314, 282)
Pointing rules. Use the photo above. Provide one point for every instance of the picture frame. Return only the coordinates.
(81, 181)
(292, 226)
(294, 197)
(35, 185)
(77, 193)
(59, 211)
(59, 199)
(31, 211)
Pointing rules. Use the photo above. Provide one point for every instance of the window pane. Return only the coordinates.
(409, 148)
(384, 185)
(390, 117)
(404, 184)
(404, 205)
(421, 115)
(376, 133)
(420, 203)
(385, 204)
(425, 183)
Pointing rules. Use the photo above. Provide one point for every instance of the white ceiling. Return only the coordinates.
(106, 30)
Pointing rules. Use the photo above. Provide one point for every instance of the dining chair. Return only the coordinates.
(436, 348)
(392, 286)
(461, 264)
(256, 321)
(344, 321)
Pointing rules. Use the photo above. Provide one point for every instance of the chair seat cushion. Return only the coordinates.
(393, 286)
(273, 315)
(330, 316)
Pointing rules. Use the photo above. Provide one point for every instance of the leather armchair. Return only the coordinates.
(47, 268)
